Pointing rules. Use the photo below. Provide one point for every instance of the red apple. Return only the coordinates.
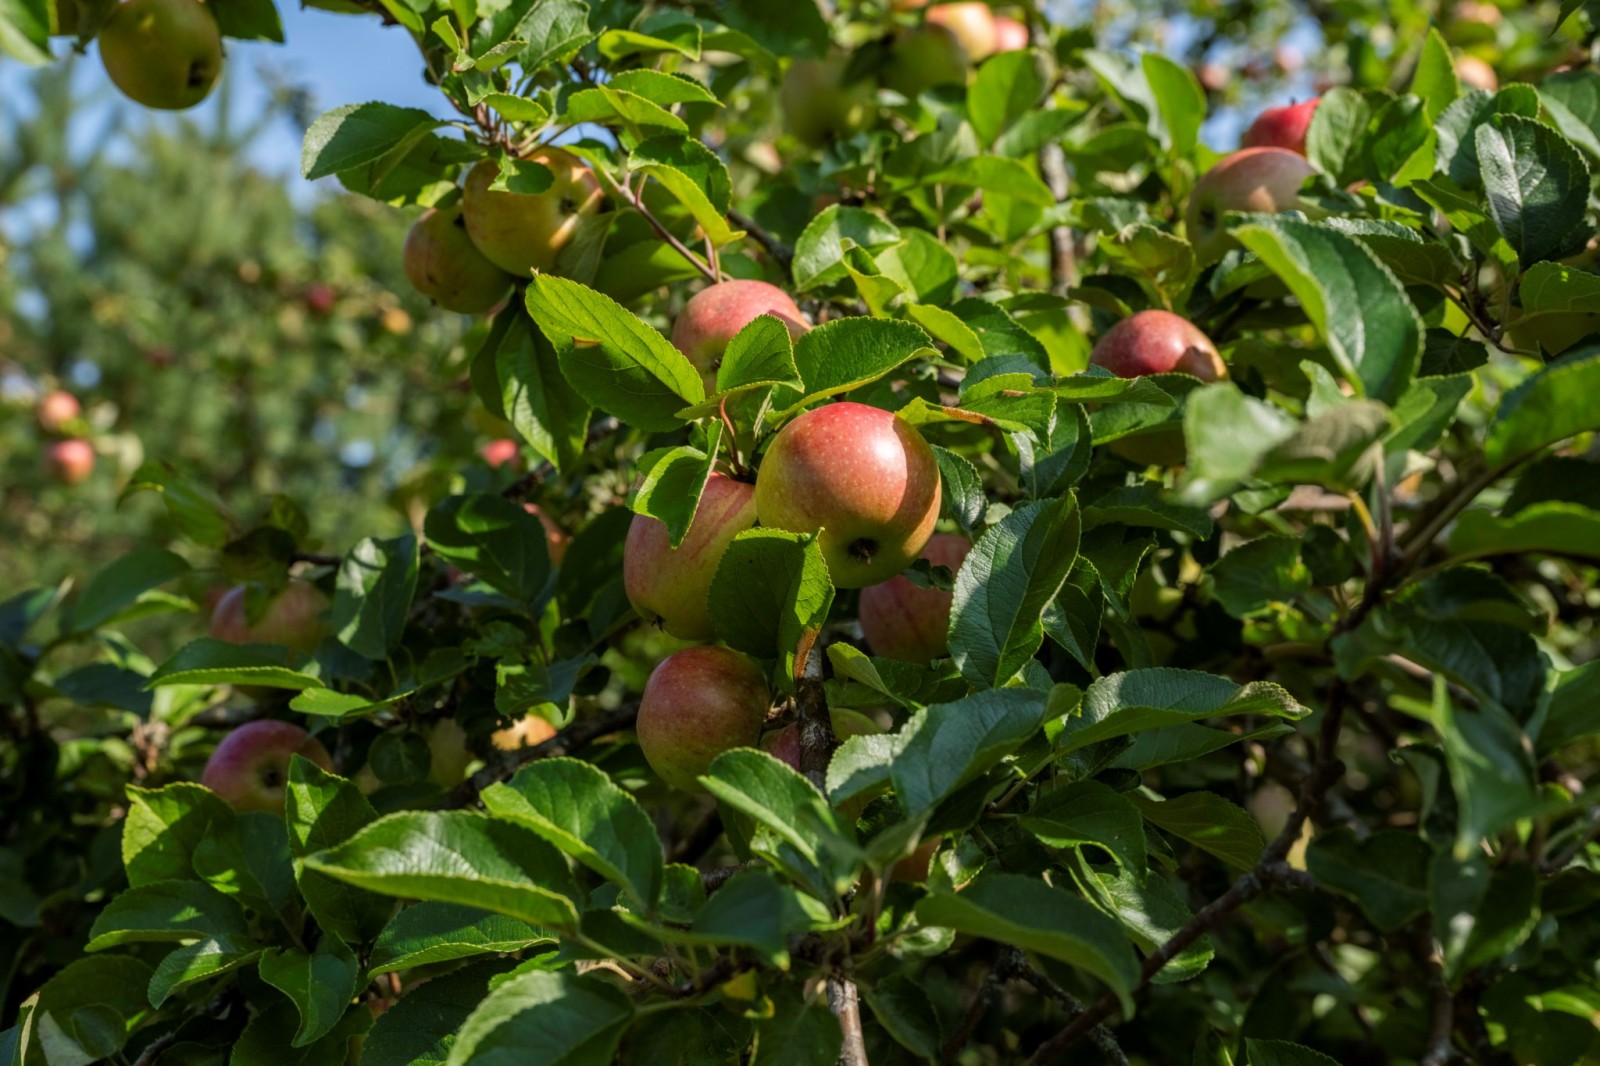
(973, 24)
(499, 452)
(250, 768)
(819, 105)
(784, 744)
(699, 703)
(1010, 35)
(521, 233)
(292, 617)
(714, 314)
(444, 265)
(56, 409)
(320, 298)
(671, 585)
(1282, 127)
(863, 477)
(902, 621)
(69, 461)
(1158, 342)
(1477, 74)
(1266, 180)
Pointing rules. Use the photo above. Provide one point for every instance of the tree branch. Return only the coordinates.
(1442, 1028)
(846, 1006)
(502, 764)
(1014, 963)
(781, 253)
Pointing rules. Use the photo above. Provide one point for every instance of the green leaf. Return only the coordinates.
(198, 513)
(1480, 913)
(1259, 574)
(1537, 185)
(962, 498)
(516, 109)
(372, 598)
(1088, 812)
(208, 661)
(1151, 911)
(850, 352)
(1546, 528)
(1013, 572)
(250, 20)
(1572, 99)
(322, 809)
(1358, 306)
(427, 933)
(576, 807)
(1007, 87)
(1386, 873)
(120, 584)
(1337, 134)
(1283, 1053)
(996, 175)
(164, 826)
(671, 481)
(554, 30)
(1210, 823)
(357, 134)
(1029, 914)
(1435, 76)
(571, 1020)
(606, 106)
(86, 1010)
(800, 1032)
(166, 911)
(1491, 768)
(1550, 405)
(663, 89)
(771, 595)
(1180, 103)
(200, 961)
(783, 29)
(1550, 288)
(906, 1013)
(752, 909)
(25, 30)
(420, 1028)
(819, 252)
(1569, 716)
(1146, 506)
(265, 1039)
(614, 360)
(321, 983)
(786, 805)
(458, 857)
(1120, 704)
(947, 745)
(494, 539)
(534, 394)
(691, 172)
(1458, 125)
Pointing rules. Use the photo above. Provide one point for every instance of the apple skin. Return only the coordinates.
(500, 452)
(1266, 180)
(672, 585)
(293, 618)
(911, 624)
(250, 768)
(1158, 342)
(699, 703)
(973, 24)
(1477, 74)
(924, 58)
(1010, 35)
(520, 233)
(784, 744)
(1282, 127)
(320, 298)
(717, 312)
(70, 461)
(861, 475)
(556, 539)
(914, 867)
(56, 409)
(443, 264)
(528, 731)
(818, 105)
(164, 54)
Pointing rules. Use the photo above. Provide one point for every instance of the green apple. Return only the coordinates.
(819, 106)
(522, 233)
(444, 265)
(164, 54)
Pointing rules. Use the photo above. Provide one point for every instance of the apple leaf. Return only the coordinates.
(1089, 812)
(357, 134)
(494, 539)
(947, 745)
(427, 933)
(671, 481)
(572, 1020)
(167, 910)
(419, 1028)
(321, 810)
(819, 252)
(693, 174)
(1537, 184)
(1130, 702)
(770, 597)
(1209, 822)
(1551, 404)
(321, 983)
(376, 583)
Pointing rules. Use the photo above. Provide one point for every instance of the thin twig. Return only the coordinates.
(781, 253)
(1013, 963)
(1443, 1009)
(502, 764)
(974, 1014)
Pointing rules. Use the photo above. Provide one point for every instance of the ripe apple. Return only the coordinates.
(1282, 127)
(973, 24)
(1477, 74)
(292, 617)
(714, 314)
(499, 452)
(819, 105)
(1213, 77)
(923, 58)
(522, 233)
(671, 585)
(556, 539)
(1158, 342)
(863, 477)
(902, 621)
(784, 744)
(528, 731)
(1254, 179)
(444, 265)
(56, 409)
(250, 768)
(1010, 35)
(320, 298)
(699, 703)
(70, 461)
(162, 53)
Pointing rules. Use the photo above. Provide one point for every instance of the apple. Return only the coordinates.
(56, 409)
(444, 265)
(914, 867)
(521, 233)
(1282, 127)
(819, 105)
(1010, 35)
(1266, 180)
(528, 731)
(784, 744)
(250, 768)
(448, 753)
(1480, 11)
(902, 621)
(1477, 74)
(863, 477)
(1158, 342)
(556, 539)
(671, 585)
(1213, 77)
(320, 298)
(973, 24)
(907, 5)
(713, 315)
(70, 461)
(161, 357)
(162, 53)
(499, 452)
(292, 617)
(923, 58)
(699, 703)
(395, 321)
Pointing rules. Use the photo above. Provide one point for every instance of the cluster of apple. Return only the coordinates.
(71, 459)
(164, 54)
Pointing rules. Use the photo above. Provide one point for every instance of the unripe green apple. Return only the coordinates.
(1010, 35)
(1282, 127)
(293, 617)
(973, 24)
(162, 53)
(923, 58)
(699, 703)
(522, 233)
(818, 105)
(902, 621)
(1158, 342)
(863, 477)
(444, 265)
(717, 312)
(56, 409)
(69, 461)
(1264, 180)
(672, 585)
(250, 768)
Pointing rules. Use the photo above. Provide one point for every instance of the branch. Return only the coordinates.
(781, 253)
(846, 1006)
(1442, 1029)
(816, 727)
(502, 764)
(633, 200)
(975, 1012)
(1015, 964)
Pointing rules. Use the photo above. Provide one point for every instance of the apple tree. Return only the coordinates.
(971, 572)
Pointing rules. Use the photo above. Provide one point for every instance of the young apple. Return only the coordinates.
(671, 585)
(699, 703)
(717, 312)
(250, 768)
(444, 265)
(164, 54)
(1264, 180)
(519, 232)
(818, 104)
(293, 617)
(902, 621)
